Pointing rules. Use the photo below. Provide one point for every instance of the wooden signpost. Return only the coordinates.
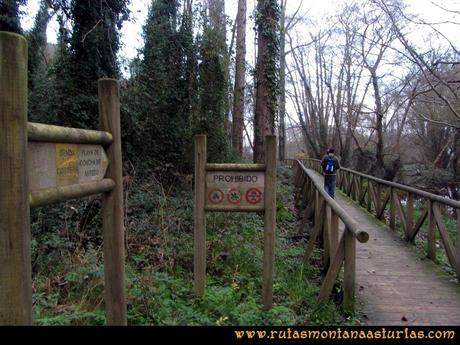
(235, 188)
(44, 164)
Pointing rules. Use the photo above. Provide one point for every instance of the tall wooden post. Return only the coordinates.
(199, 264)
(112, 206)
(15, 261)
(270, 220)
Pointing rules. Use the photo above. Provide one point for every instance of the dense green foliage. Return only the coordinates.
(40, 59)
(68, 265)
(158, 104)
(9, 15)
(177, 89)
(210, 118)
(92, 46)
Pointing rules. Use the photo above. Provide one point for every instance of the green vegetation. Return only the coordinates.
(68, 267)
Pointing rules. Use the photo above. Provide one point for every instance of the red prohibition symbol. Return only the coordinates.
(234, 196)
(254, 196)
(215, 196)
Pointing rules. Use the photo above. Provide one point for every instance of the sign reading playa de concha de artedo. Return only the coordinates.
(235, 188)
(55, 165)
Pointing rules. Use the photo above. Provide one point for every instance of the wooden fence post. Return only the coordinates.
(15, 261)
(369, 196)
(327, 236)
(199, 261)
(392, 210)
(112, 206)
(409, 214)
(269, 220)
(334, 234)
(457, 249)
(431, 238)
(349, 271)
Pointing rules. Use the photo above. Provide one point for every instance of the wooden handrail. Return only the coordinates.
(58, 194)
(415, 191)
(314, 201)
(57, 134)
(361, 236)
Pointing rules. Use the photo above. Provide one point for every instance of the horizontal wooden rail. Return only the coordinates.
(233, 208)
(57, 134)
(389, 201)
(53, 195)
(233, 167)
(403, 187)
(316, 204)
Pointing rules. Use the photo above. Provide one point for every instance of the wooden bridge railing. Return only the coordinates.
(314, 202)
(389, 201)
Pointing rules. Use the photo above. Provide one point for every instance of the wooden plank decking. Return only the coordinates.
(395, 285)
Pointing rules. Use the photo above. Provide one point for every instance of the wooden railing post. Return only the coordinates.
(431, 238)
(409, 214)
(392, 210)
(112, 206)
(369, 195)
(269, 220)
(349, 271)
(15, 260)
(327, 236)
(334, 233)
(200, 216)
(457, 250)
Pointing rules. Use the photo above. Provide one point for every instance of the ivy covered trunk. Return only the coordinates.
(238, 100)
(266, 74)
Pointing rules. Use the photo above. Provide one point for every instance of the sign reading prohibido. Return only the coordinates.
(238, 189)
(235, 188)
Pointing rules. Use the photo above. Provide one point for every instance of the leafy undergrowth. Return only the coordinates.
(68, 280)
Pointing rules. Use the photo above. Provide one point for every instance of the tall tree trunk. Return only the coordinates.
(378, 120)
(282, 111)
(266, 74)
(240, 81)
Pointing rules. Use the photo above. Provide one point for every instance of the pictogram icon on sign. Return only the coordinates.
(215, 196)
(234, 196)
(254, 196)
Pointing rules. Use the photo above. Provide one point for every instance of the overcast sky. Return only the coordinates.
(131, 32)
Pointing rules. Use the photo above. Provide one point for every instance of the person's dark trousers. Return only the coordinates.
(329, 184)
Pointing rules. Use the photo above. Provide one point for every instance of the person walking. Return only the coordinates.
(330, 165)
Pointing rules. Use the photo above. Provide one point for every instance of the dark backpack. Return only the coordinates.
(330, 165)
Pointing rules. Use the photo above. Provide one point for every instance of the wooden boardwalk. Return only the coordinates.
(394, 284)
